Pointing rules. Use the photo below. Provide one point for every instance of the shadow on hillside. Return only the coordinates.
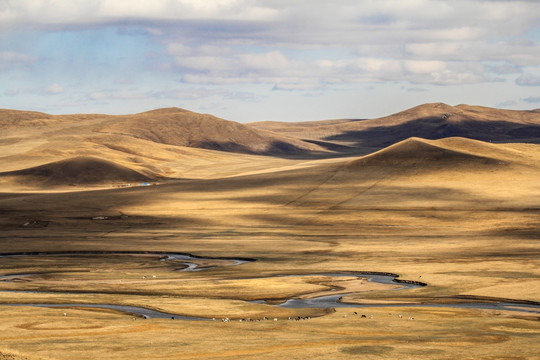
(328, 205)
(364, 142)
(379, 198)
(434, 128)
(286, 150)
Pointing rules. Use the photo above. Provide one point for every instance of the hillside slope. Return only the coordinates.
(176, 143)
(76, 171)
(174, 126)
(164, 143)
(428, 121)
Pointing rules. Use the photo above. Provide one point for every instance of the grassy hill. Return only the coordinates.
(458, 214)
(174, 143)
(428, 121)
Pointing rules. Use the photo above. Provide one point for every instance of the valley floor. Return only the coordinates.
(467, 228)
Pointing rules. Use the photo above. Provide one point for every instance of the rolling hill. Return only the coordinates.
(174, 143)
(77, 171)
(424, 153)
(314, 204)
(164, 143)
(428, 121)
(174, 126)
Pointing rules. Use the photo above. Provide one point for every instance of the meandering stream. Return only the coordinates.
(190, 262)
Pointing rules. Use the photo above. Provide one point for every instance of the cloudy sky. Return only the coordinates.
(251, 60)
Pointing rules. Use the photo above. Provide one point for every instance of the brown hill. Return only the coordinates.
(174, 126)
(79, 170)
(172, 143)
(421, 153)
(177, 143)
(15, 118)
(428, 121)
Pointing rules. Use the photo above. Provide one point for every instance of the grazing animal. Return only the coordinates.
(65, 314)
(275, 319)
(363, 316)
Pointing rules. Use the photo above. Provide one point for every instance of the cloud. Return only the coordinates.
(189, 94)
(302, 45)
(117, 95)
(532, 99)
(54, 88)
(98, 95)
(15, 91)
(174, 95)
(60, 14)
(14, 59)
(224, 66)
(244, 96)
(528, 80)
(507, 104)
(416, 89)
(420, 42)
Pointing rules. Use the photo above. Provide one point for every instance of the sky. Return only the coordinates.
(255, 60)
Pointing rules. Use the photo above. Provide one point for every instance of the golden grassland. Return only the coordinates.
(442, 333)
(459, 215)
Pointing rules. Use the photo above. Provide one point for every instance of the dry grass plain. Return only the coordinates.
(458, 214)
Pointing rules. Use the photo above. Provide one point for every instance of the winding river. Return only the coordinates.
(190, 263)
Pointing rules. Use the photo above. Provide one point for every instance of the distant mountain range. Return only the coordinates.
(428, 121)
(93, 148)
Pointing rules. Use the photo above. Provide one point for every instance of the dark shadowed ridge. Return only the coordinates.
(423, 154)
(115, 138)
(437, 121)
(175, 126)
(79, 170)
(428, 121)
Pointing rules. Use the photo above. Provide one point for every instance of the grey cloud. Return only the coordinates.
(89, 13)
(396, 34)
(16, 91)
(53, 89)
(503, 68)
(276, 41)
(222, 65)
(532, 99)
(14, 59)
(507, 104)
(417, 89)
(245, 96)
(528, 80)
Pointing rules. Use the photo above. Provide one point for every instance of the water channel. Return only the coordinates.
(326, 301)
